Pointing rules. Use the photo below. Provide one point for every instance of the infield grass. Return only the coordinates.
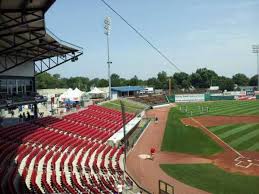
(212, 179)
(243, 137)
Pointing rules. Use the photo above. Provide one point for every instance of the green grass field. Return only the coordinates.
(212, 179)
(180, 138)
(129, 106)
(241, 137)
(229, 107)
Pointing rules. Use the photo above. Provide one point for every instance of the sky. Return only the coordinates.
(194, 34)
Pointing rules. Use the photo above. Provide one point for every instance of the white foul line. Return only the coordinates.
(216, 137)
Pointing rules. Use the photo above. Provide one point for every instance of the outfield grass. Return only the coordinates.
(229, 107)
(212, 179)
(242, 137)
(186, 139)
(129, 106)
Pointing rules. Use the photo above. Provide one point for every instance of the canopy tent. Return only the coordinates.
(71, 95)
(97, 93)
(63, 96)
(78, 92)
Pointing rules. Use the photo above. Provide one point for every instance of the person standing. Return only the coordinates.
(20, 117)
(119, 188)
(24, 116)
(152, 152)
(28, 116)
(12, 113)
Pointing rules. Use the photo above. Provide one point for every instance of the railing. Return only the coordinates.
(139, 187)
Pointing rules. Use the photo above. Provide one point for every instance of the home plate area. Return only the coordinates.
(246, 162)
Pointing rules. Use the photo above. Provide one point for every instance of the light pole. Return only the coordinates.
(107, 31)
(256, 50)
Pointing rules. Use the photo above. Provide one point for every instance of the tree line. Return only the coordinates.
(202, 78)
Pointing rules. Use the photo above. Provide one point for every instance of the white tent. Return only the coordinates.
(64, 96)
(73, 95)
(96, 93)
(76, 95)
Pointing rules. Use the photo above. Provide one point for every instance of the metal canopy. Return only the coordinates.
(24, 37)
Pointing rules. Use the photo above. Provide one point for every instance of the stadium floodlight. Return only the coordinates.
(107, 31)
(255, 49)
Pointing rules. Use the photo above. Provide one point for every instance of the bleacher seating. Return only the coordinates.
(68, 155)
(150, 99)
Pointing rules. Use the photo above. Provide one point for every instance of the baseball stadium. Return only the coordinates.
(127, 139)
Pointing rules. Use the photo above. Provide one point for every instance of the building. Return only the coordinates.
(27, 49)
(124, 91)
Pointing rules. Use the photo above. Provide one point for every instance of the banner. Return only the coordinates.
(190, 98)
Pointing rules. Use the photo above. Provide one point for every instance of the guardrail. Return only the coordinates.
(139, 187)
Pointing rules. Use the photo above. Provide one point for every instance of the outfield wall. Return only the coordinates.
(202, 97)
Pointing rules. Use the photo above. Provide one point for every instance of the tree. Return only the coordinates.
(207, 77)
(253, 81)
(103, 83)
(46, 80)
(93, 82)
(151, 82)
(240, 79)
(195, 80)
(115, 80)
(57, 76)
(134, 81)
(162, 80)
(162, 77)
(225, 83)
(182, 80)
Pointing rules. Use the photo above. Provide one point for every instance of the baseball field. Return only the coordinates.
(215, 130)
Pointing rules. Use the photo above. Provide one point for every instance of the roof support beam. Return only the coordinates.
(38, 66)
(20, 44)
(16, 63)
(19, 23)
(38, 30)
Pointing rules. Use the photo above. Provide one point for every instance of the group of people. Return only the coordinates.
(23, 117)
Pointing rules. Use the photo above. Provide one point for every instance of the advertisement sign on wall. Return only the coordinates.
(190, 98)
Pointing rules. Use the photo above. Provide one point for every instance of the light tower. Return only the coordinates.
(107, 31)
(256, 50)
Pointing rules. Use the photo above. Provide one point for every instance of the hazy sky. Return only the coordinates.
(194, 33)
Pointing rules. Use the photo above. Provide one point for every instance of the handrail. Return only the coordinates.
(137, 183)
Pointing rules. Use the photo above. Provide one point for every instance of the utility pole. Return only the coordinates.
(170, 87)
(255, 49)
(107, 31)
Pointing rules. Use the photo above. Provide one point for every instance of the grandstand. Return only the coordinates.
(51, 155)
(68, 155)
(151, 100)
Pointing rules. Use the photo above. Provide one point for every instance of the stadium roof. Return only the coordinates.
(24, 37)
(128, 88)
